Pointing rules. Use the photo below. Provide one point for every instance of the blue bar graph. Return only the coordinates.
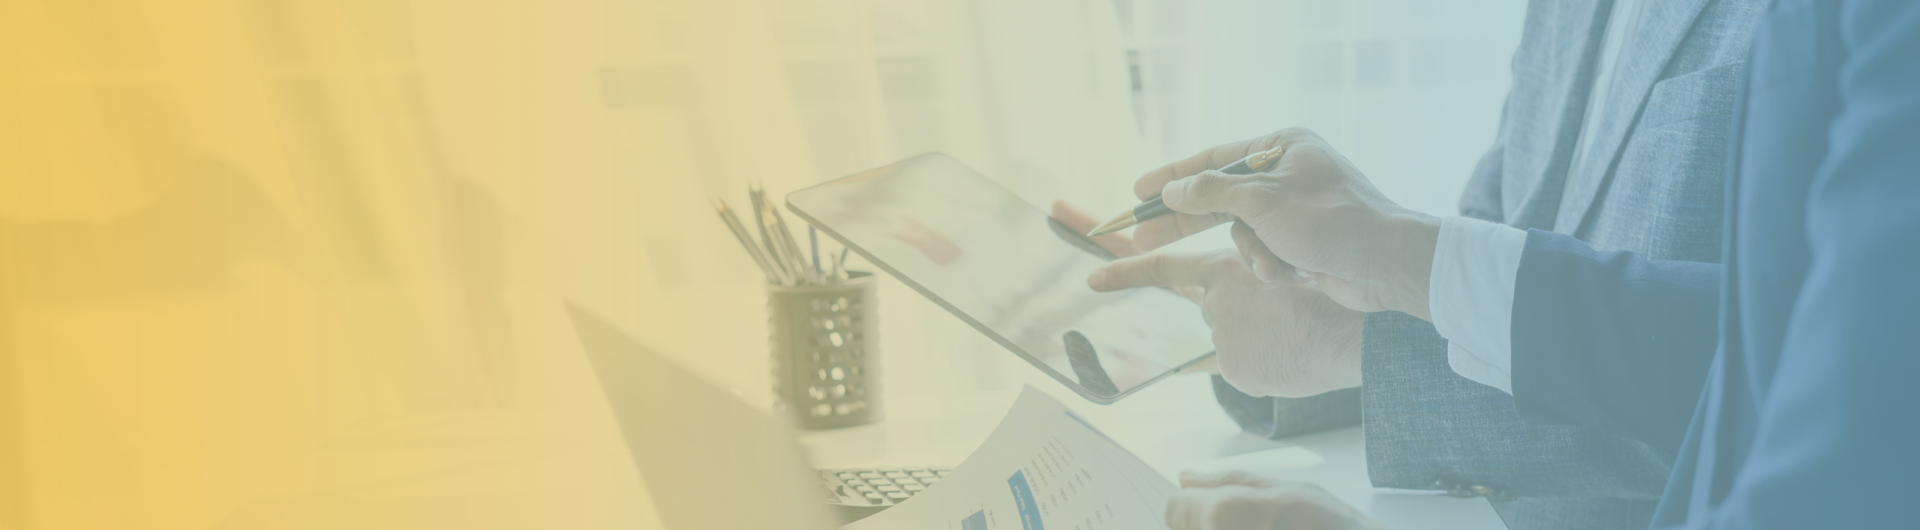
(977, 521)
(1023, 499)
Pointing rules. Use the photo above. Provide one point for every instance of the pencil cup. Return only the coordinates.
(826, 369)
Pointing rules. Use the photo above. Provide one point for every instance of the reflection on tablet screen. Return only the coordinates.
(1001, 264)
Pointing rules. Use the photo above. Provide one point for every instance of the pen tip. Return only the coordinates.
(1117, 224)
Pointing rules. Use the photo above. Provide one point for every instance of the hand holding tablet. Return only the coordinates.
(1009, 270)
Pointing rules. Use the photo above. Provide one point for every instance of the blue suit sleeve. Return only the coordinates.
(1835, 442)
(1611, 340)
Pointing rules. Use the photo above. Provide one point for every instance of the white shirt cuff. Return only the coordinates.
(1470, 296)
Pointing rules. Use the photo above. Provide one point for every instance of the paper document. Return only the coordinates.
(1043, 468)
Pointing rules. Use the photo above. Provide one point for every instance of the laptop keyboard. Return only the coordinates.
(878, 487)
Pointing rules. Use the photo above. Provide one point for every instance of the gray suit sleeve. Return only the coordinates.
(1429, 428)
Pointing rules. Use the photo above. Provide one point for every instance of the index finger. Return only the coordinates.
(1154, 270)
(1166, 229)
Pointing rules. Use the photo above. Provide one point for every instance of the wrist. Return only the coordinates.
(1408, 279)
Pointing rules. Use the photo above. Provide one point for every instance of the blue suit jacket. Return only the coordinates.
(1804, 342)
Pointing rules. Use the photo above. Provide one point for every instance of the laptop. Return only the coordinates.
(708, 460)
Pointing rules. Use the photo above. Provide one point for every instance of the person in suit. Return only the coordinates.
(1614, 132)
(1780, 380)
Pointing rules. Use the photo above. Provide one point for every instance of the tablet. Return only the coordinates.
(1010, 271)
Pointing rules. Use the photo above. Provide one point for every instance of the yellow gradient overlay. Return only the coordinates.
(302, 263)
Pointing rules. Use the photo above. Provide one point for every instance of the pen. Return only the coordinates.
(1155, 207)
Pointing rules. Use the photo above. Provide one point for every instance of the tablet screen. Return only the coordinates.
(1006, 268)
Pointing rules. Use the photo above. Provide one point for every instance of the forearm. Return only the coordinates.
(1411, 241)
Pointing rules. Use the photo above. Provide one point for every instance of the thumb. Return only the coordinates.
(1208, 192)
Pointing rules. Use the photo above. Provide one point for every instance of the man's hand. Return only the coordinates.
(1313, 215)
(1242, 501)
(1122, 246)
(1283, 339)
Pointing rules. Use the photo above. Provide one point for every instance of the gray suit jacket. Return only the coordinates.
(1653, 185)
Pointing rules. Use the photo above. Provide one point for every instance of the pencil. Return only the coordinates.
(772, 247)
(746, 240)
(785, 240)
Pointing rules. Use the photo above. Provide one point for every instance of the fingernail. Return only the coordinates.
(1174, 192)
(1302, 275)
(1098, 279)
(1261, 273)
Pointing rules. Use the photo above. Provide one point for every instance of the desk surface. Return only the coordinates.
(559, 462)
(539, 469)
(932, 419)
(1174, 425)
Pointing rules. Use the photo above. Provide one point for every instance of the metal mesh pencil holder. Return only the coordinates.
(826, 368)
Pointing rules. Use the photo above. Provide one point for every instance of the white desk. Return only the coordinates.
(1174, 425)
(562, 464)
(538, 469)
(931, 420)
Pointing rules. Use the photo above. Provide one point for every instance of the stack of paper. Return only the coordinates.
(1043, 467)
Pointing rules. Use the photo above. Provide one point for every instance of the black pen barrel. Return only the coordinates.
(1155, 207)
